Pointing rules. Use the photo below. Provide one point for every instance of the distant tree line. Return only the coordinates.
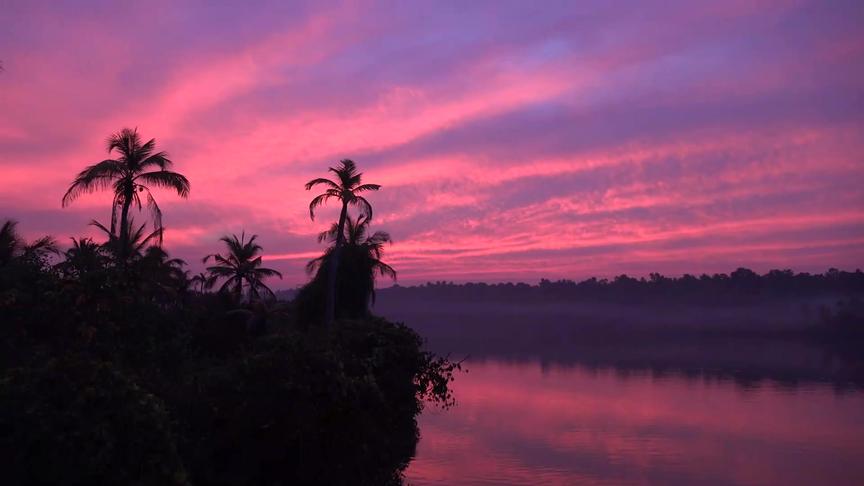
(742, 285)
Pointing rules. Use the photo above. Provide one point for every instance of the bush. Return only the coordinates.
(76, 421)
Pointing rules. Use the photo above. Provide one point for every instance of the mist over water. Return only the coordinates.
(594, 394)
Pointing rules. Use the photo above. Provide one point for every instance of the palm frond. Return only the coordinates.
(330, 234)
(367, 187)
(379, 238)
(268, 272)
(10, 241)
(144, 151)
(364, 206)
(261, 285)
(233, 280)
(166, 179)
(313, 264)
(42, 246)
(385, 270)
(157, 214)
(156, 234)
(316, 202)
(221, 271)
(126, 141)
(320, 180)
(93, 178)
(108, 232)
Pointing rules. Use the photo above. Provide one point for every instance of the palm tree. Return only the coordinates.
(201, 281)
(10, 243)
(346, 189)
(241, 267)
(84, 257)
(361, 263)
(129, 175)
(162, 277)
(133, 246)
(12, 246)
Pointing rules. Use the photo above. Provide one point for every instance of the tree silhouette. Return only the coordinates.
(161, 276)
(201, 281)
(345, 189)
(84, 257)
(13, 246)
(241, 267)
(126, 248)
(129, 175)
(361, 262)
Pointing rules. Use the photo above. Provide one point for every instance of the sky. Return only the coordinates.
(513, 140)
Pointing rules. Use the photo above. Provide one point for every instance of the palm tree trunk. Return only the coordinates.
(330, 302)
(128, 193)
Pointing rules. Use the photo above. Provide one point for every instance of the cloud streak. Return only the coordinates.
(513, 142)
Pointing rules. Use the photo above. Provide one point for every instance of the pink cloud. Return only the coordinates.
(507, 149)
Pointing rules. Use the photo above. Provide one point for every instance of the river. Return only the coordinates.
(533, 423)
(546, 402)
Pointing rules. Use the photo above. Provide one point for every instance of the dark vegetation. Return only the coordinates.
(117, 367)
(743, 286)
(780, 326)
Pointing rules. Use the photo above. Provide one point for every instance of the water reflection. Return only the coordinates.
(531, 423)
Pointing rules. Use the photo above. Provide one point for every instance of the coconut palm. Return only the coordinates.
(84, 257)
(355, 235)
(361, 263)
(13, 246)
(241, 268)
(132, 247)
(201, 281)
(162, 277)
(138, 168)
(346, 189)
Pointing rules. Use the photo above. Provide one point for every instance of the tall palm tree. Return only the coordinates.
(346, 189)
(361, 262)
(241, 267)
(138, 168)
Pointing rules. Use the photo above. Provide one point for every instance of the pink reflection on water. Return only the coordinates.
(525, 424)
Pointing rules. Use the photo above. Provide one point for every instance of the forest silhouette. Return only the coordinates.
(119, 367)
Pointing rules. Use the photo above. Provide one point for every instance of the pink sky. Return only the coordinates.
(513, 141)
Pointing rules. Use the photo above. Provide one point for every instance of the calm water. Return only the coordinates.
(518, 422)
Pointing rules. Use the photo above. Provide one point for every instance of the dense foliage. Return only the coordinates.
(356, 275)
(123, 375)
(116, 367)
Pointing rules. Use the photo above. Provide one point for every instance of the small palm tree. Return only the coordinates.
(129, 176)
(346, 189)
(131, 247)
(201, 281)
(161, 276)
(13, 246)
(241, 268)
(361, 263)
(84, 257)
